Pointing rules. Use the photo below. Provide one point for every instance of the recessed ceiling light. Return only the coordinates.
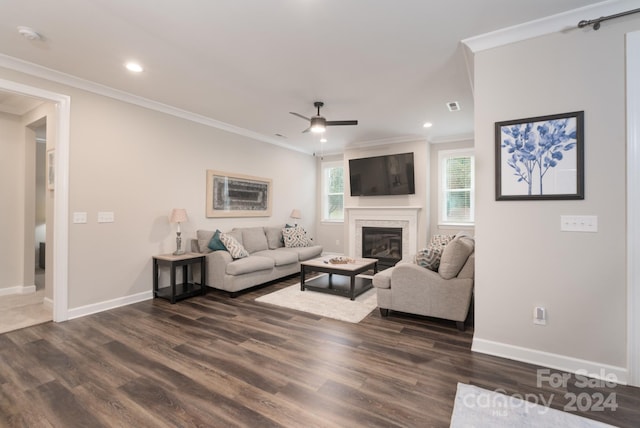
(323, 140)
(427, 125)
(134, 67)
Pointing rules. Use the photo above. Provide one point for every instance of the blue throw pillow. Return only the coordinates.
(216, 244)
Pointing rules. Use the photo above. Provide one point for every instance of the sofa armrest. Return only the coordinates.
(217, 262)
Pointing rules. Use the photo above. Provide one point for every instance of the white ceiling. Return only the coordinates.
(392, 65)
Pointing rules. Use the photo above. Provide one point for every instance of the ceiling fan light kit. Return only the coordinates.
(318, 124)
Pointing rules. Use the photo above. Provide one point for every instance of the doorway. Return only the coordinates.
(57, 248)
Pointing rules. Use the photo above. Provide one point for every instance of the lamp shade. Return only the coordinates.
(178, 215)
(295, 213)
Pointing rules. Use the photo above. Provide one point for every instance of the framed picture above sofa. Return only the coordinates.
(540, 157)
(236, 195)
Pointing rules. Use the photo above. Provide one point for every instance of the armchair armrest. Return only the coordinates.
(418, 290)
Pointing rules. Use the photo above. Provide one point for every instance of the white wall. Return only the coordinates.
(421, 161)
(523, 259)
(140, 164)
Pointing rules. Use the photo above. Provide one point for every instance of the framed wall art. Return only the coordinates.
(235, 195)
(540, 158)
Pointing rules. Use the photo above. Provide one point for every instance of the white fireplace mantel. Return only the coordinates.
(405, 217)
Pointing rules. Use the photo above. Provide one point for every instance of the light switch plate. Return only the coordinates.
(579, 223)
(79, 217)
(106, 217)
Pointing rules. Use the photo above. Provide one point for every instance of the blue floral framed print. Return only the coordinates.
(540, 158)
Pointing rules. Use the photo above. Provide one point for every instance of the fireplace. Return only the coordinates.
(382, 243)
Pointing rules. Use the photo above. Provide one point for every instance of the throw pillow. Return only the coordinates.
(441, 240)
(215, 244)
(232, 245)
(295, 237)
(429, 257)
(454, 256)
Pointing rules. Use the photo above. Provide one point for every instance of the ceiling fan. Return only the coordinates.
(319, 124)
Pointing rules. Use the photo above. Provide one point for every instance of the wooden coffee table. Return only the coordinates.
(341, 280)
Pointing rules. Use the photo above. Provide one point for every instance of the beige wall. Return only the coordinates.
(140, 164)
(523, 259)
(41, 115)
(434, 227)
(12, 202)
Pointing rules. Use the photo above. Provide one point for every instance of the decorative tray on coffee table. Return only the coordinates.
(340, 260)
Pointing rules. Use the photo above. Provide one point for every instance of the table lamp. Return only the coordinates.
(295, 215)
(178, 215)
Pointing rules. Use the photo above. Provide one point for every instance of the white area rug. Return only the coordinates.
(326, 305)
(477, 407)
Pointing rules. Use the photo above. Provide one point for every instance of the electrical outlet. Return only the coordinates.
(337, 242)
(539, 315)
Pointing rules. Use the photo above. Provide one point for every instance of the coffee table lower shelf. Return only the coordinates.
(338, 284)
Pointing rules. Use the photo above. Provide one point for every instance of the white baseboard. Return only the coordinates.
(18, 289)
(48, 303)
(109, 304)
(554, 361)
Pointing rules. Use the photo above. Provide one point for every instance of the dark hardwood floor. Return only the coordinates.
(213, 361)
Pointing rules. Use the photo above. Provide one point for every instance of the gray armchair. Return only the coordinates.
(447, 293)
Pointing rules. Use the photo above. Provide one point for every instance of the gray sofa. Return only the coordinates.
(445, 293)
(268, 258)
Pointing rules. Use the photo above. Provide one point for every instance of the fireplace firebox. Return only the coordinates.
(382, 243)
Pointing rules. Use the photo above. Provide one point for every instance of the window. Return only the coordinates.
(332, 191)
(456, 184)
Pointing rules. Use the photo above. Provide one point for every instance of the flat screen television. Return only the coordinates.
(382, 175)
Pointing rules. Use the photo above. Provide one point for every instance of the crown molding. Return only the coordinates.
(386, 141)
(560, 22)
(36, 70)
(453, 138)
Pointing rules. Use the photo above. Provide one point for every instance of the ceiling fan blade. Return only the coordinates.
(341, 122)
(306, 130)
(299, 115)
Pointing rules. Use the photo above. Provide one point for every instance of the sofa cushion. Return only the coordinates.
(304, 253)
(455, 255)
(249, 264)
(254, 239)
(295, 237)
(280, 258)
(237, 234)
(204, 237)
(234, 248)
(274, 237)
(215, 244)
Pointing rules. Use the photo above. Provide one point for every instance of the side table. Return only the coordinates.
(186, 289)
